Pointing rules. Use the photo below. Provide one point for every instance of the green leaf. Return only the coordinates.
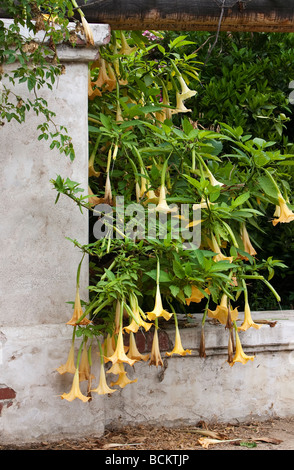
(241, 199)
(163, 275)
(178, 270)
(188, 290)
(174, 290)
(268, 186)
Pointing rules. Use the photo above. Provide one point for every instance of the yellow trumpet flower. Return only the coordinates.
(186, 93)
(196, 296)
(103, 388)
(125, 49)
(108, 347)
(158, 310)
(123, 379)
(212, 179)
(114, 369)
(137, 320)
(155, 358)
(133, 352)
(111, 83)
(246, 241)
(84, 369)
(285, 214)
(119, 354)
(108, 193)
(248, 322)
(164, 113)
(88, 31)
(178, 348)
(75, 391)
(92, 93)
(221, 311)
(162, 205)
(219, 256)
(118, 116)
(151, 198)
(240, 356)
(94, 200)
(69, 366)
(103, 79)
(91, 168)
(78, 312)
(180, 107)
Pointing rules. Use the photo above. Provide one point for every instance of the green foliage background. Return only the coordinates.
(245, 82)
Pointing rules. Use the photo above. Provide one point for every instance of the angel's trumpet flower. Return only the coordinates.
(69, 366)
(165, 101)
(186, 93)
(219, 256)
(111, 82)
(75, 391)
(118, 116)
(91, 169)
(92, 93)
(155, 358)
(162, 205)
(102, 79)
(240, 356)
(246, 241)
(137, 320)
(94, 200)
(221, 311)
(88, 31)
(212, 179)
(108, 347)
(119, 354)
(103, 388)
(158, 310)
(108, 193)
(78, 312)
(151, 198)
(178, 348)
(125, 49)
(248, 322)
(180, 107)
(123, 379)
(133, 352)
(84, 369)
(196, 296)
(285, 214)
(114, 369)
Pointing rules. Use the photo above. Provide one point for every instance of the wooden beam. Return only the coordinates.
(191, 15)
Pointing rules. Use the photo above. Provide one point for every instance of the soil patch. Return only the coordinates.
(274, 434)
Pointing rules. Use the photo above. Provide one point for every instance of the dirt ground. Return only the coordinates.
(274, 434)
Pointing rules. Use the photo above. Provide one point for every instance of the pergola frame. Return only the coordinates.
(191, 15)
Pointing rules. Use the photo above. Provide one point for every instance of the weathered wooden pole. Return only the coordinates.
(191, 15)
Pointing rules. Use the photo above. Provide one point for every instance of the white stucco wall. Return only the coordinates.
(38, 265)
(192, 389)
